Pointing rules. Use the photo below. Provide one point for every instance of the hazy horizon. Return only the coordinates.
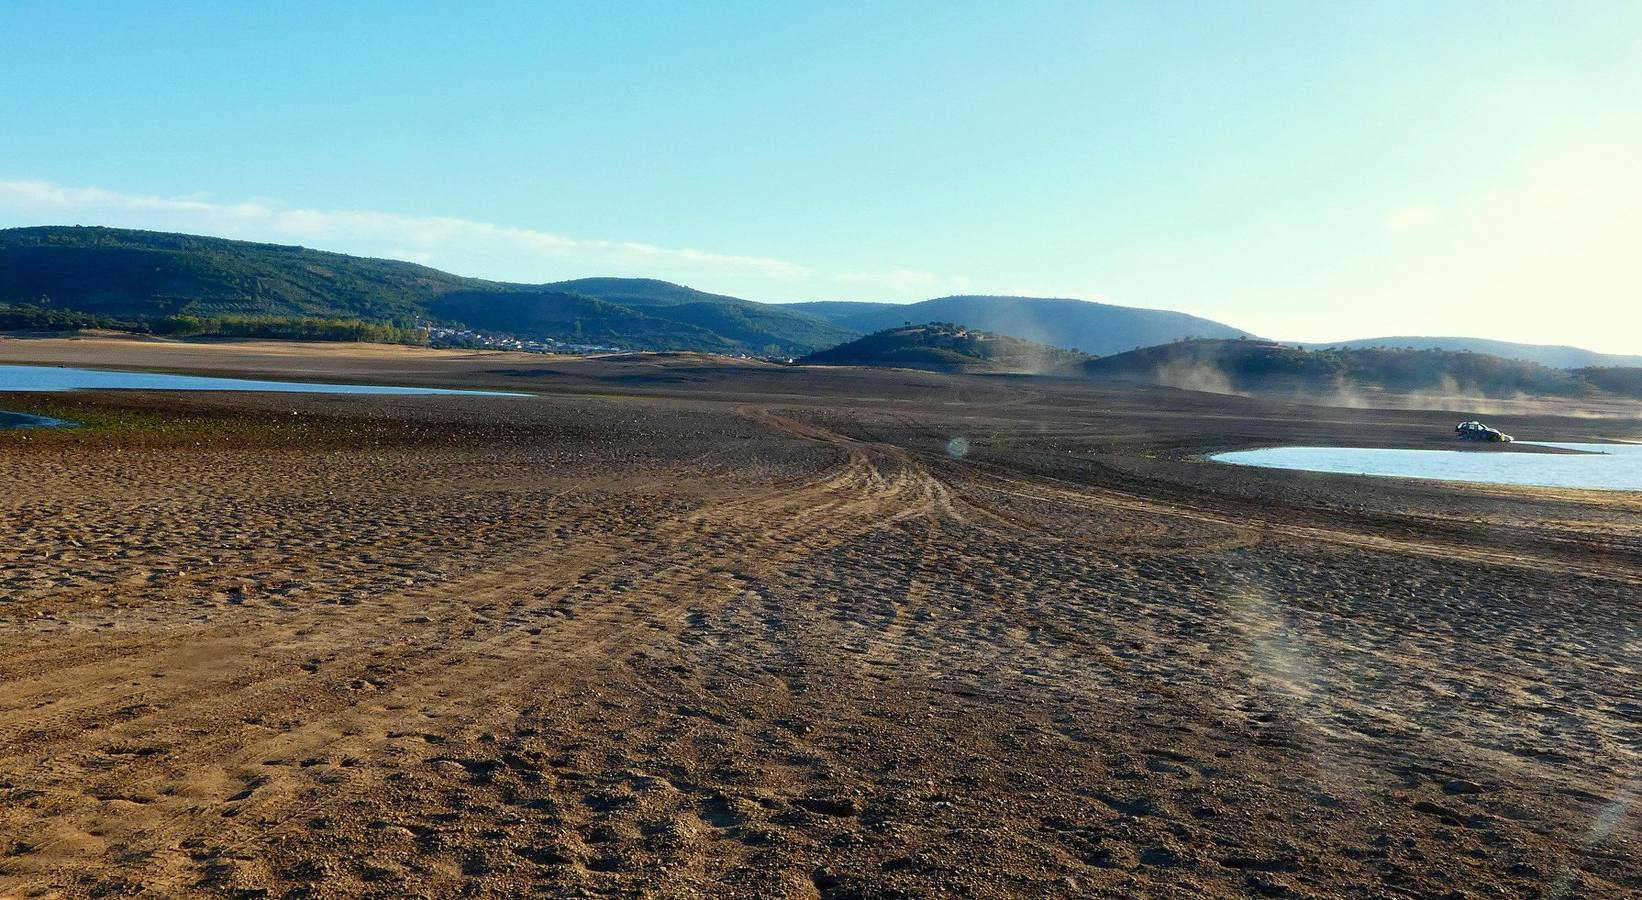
(1305, 172)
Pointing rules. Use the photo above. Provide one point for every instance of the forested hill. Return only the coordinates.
(62, 277)
(946, 347)
(66, 276)
(1625, 381)
(1557, 356)
(145, 274)
(1260, 366)
(1098, 328)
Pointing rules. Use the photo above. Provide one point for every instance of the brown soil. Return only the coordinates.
(684, 627)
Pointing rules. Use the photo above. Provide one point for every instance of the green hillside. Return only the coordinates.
(761, 327)
(1556, 356)
(143, 280)
(1621, 380)
(145, 274)
(57, 277)
(1097, 328)
(1252, 366)
(945, 347)
(572, 317)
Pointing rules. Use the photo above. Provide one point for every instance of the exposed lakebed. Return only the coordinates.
(1612, 467)
(30, 379)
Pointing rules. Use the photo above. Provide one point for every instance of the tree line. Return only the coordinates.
(14, 317)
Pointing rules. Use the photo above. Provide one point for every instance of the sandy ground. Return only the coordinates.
(677, 627)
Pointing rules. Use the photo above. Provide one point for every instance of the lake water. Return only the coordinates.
(1609, 467)
(57, 378)
(25, 420)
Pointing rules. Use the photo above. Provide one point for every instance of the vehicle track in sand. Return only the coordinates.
(752, 646)
(499, 632)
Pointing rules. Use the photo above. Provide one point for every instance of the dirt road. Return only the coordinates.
(683, 628)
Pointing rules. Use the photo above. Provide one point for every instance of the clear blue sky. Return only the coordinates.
(1308, 170)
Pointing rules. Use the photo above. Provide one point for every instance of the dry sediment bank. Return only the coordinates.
(681, 625)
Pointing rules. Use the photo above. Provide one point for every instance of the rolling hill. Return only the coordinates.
(765, 327)
(577, 318)
(147, 274)
(1097, 328)
(1619, 380)
(80, 275)
(945, 347)
(1554, 355)
(59, 277)
(1259, 366)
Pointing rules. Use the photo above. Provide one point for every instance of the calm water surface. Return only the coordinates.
(25, 420)
(58, 378)
(1610, 467)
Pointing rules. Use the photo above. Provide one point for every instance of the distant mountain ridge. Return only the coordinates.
(1557, 356)
(123, 276)
(1243, 366)
(54, 277)
(781, 328)
(142, 277)
(1083, 325)
(126, 273)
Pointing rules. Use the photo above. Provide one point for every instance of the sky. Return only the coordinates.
(1305, 170)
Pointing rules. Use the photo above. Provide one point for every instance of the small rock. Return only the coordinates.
(1461, 786)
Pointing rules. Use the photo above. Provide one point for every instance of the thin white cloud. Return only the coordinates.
(462, 246)
(497, 251)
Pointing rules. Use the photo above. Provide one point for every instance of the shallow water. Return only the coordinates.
(26, 420)
(1609, 467)
(58, 378)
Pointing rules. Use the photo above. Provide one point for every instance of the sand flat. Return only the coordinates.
(682, 626)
